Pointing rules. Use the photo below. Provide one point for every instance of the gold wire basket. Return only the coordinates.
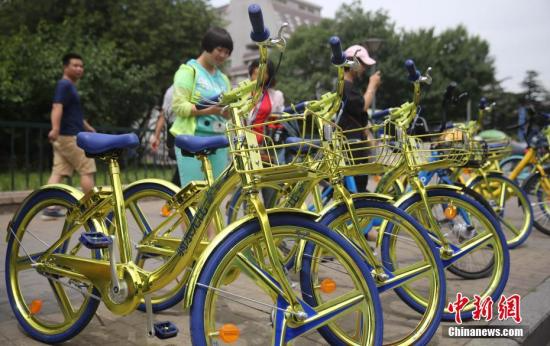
(371, 150)
(446, 149)
(315, 152)
(498, 149)
(478, 154)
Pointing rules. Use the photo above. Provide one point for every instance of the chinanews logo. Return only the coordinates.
(508, 308)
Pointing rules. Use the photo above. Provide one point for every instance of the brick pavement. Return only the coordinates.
(528, 271)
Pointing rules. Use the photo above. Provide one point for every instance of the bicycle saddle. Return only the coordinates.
(195, 145)
(95, 144)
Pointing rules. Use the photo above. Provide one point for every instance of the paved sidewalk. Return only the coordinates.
(530, 269)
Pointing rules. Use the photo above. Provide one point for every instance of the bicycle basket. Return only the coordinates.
(371, 149)
(498, 149)
(315, 154)
(438, 150)
(478, 153)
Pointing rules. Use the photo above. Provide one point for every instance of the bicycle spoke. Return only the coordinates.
(509, 226)
(265, 281)
(338, 307)
(469, 246)
(63, 300)
(140, 218)
(405, 275)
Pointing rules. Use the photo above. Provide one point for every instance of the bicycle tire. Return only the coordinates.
(151, 192)
(539, 201)
(420, 244)
(492, 285)
(522, 230)
(44, 325)
(508, 164)
(222, 261)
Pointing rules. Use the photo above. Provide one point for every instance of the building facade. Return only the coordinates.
(275, 13)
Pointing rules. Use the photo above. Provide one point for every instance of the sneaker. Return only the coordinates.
(51, 214)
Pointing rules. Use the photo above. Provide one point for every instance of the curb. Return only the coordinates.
(535, 312)
(8, 198)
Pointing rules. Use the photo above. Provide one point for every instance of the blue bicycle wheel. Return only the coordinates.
(161, 230)
(540, 199)
(510, 204)
(410, 250)
(477, 243)
(49, 308)
(236, 290)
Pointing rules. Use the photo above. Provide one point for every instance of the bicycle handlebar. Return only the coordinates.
(379, 115)
(296, 109)
(414, 74)
(204, 104)
(449, 92)
(338, 57)
(483, 103)
(259, 33)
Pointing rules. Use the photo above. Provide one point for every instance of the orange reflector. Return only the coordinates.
(450, 212)
(36, 306)
(467, 170)
(377, 178)
(328, 285)
(165, 211)
(229, 333)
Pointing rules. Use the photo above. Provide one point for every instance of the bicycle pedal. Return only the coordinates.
(95, 240)
(165, 330)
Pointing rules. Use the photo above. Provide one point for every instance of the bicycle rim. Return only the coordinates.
(540, 201)
(474, 229)
(236, 288)
(156, 231)
(511, 206)
(50, 308)
(405, 251)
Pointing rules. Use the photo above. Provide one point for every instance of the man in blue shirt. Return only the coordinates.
(67, 121)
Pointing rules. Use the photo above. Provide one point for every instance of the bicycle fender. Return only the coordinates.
(509, 158)
(197, 269)
(166, 183)
(428, 188)
(74, 192)
(373, 195)
(489, 173)
(362, 195)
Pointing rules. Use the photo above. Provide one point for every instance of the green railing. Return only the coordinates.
(26, 157)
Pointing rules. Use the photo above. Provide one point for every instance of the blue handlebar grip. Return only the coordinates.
(380, 114)
(413, 72)
(296, 109)
(338, 57)
(206, 105)
(483, 103)
(259, 32)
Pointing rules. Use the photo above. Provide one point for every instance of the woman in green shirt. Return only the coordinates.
(202, 78)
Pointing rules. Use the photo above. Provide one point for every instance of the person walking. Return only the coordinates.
(67, 121)
(166, 118)
(202, 78)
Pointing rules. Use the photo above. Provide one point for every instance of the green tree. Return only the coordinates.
(454, 55)
(131, 49)
(534, 90)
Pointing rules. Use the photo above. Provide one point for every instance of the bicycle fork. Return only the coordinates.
(295, 310)
(446, 251)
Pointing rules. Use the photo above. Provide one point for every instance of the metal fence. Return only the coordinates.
(26, 157)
